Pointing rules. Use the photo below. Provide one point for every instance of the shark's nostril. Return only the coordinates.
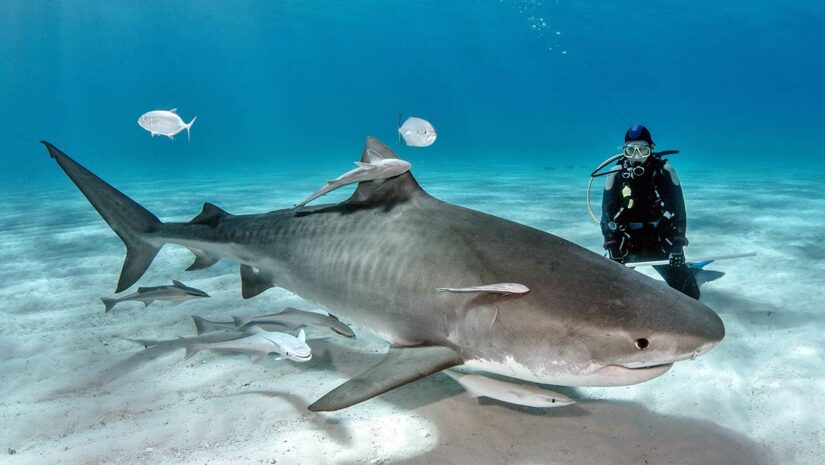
(642, 343)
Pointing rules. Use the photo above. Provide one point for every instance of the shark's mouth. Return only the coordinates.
(617, 375)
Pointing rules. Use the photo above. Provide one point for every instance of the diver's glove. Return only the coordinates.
(614, 251)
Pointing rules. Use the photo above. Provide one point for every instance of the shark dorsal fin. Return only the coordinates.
(179, 284)
(210, 215)
(395, 189)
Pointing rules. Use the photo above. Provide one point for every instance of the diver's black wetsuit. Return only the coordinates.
(643, 219)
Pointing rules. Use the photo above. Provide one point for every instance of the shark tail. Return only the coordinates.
(188, 126)
(108, 303)
(130, 221)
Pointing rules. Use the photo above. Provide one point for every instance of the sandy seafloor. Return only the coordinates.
(73, 391)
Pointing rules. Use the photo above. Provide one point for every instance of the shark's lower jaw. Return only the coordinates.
(616, 375)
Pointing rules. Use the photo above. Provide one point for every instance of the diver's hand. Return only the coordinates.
(676, 259)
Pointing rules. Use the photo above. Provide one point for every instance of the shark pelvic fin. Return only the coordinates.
(210, 215)
(253, 281)
(402, 365)
(202, 261)
(128, 219)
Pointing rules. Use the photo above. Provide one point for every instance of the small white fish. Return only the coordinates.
(164, 123)
(377, 169)
(527, 395)
(260, 343)
(417, 132)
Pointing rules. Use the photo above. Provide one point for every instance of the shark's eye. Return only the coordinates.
(642, 343)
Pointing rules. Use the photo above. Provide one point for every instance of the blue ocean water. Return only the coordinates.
(527, 97)
(278, 84)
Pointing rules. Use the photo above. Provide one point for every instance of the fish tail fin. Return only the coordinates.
(108, 304)
(134, 224)
(188, 126)
(192, 348)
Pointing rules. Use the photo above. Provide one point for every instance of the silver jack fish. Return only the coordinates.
(261, 343)
(417, 132)
(164, 123)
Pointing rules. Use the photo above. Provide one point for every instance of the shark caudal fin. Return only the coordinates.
(130, 221)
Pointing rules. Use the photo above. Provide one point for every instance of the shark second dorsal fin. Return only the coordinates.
(402, 365)
(179, 284)
(391, 190)
(210, 215)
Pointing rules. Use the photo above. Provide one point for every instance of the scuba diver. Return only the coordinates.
(643, 211)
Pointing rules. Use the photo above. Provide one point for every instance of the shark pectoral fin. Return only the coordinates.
(146, 303)
(402, 365)
(498, 288)
(202, 261)
(254, 282)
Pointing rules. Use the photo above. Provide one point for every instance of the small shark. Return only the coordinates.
(177, 293)
(377, 258)
(261, 343)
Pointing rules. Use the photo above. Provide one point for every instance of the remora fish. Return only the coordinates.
(290, 319)
(294, 319)
(164, 123)
(374, 169)
(417, 132)
(377, 258)
(260, 343)
(177, 292)
(517, 394)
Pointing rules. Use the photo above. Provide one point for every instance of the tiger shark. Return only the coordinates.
(389, 258)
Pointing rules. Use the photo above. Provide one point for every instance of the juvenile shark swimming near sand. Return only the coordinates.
(378, 258)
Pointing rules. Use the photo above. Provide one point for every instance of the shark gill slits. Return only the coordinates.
(642, 343)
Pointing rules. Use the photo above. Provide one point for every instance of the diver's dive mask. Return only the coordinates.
(636, 152)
